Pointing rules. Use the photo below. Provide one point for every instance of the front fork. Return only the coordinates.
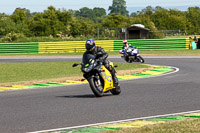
(88, 77)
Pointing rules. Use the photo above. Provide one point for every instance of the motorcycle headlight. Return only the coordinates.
(85, 70)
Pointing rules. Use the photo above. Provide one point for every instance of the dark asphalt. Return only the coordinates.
(66, 106)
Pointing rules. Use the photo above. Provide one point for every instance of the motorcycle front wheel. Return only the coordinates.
(96, 86)
(140, 59)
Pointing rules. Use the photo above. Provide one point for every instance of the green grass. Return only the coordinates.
(172, 52)
(186, 126)
(165, 53)
(15, 72)
(146, 53)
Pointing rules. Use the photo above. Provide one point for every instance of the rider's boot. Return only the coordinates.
(113, 74)
(114, 77)
(135, 57)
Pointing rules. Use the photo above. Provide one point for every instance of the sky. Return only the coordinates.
(8, 6)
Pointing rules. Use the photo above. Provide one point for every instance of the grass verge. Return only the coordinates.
(171, 52)
(17, 72)
(185, 126)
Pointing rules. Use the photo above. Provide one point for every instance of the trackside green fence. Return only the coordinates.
(109, 45)
(154, 44)
(18, 48)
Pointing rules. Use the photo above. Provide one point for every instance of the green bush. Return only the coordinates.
(10, 37)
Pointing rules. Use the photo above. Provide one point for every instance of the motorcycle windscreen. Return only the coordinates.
(87, 62)
(87, 58)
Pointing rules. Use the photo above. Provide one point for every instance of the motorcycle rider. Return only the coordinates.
(126, 45)
(101, 56)
(125, 49)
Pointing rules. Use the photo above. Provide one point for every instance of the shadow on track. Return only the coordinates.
(83, 96)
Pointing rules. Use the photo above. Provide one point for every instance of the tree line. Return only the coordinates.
(83, 23)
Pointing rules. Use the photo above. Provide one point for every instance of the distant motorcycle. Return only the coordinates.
(99, 78)
(131, 55)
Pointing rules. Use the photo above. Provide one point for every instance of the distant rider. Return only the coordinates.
(128, 49)
(101, 56)
(126, 45)
(196, 40)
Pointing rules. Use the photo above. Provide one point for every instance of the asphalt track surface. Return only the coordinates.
(67, 106)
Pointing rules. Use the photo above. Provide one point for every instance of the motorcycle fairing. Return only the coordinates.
(107, 77)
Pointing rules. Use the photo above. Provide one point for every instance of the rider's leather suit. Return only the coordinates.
(101, 55)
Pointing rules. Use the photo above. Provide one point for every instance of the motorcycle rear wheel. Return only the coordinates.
(96, 88)
(128, 59)
(116, 91)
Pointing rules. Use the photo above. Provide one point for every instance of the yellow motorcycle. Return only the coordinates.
(98, 77)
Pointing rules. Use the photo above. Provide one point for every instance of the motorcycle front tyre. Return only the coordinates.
(116, 91)
(94, 87)
(140, 59)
